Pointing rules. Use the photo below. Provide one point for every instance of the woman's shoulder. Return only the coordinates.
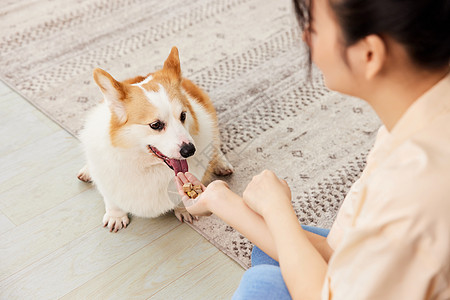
(424, 156)
(415, 177)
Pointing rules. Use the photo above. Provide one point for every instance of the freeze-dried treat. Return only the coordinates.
(198, 189)
(187, 187)
(192, 194)
(192, 190)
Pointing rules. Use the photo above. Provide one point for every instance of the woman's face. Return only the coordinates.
(327, 49)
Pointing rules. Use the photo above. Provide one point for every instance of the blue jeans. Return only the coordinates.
(263, 280)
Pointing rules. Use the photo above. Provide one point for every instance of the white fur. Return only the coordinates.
(130, 179)
(175, 133)
(149, 78)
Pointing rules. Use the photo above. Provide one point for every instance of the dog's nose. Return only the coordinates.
(187, 150)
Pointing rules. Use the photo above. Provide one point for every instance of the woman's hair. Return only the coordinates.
(421, 26)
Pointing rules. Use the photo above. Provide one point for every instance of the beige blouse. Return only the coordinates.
(392, 233)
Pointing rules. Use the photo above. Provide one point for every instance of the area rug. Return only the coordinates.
(246, 54)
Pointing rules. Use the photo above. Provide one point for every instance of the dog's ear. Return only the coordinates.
(172, 63)
(114, 93)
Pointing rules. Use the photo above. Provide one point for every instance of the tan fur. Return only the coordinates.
(117, 85)
(170, 78)
(140, 111)
(197, 93)
(134, 80)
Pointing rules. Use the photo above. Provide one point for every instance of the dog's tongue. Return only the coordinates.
(179, 165)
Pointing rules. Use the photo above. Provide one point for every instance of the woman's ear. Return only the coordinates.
(375, 55)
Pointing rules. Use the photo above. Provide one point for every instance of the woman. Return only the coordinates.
(391, 238)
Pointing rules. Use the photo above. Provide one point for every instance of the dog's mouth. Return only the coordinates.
(177, 165)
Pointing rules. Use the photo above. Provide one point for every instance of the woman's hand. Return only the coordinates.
(266, 192)
(200, 205)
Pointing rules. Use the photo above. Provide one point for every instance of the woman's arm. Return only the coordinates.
(302, 266)
(218, 199)
(232, 210)
(321, 244)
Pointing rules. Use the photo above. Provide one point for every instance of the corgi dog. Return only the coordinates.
(145, 131)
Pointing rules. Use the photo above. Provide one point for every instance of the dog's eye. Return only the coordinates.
(157, 125)
(183, 116)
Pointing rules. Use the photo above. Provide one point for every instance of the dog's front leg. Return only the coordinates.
(114, 218)
(182, 214)
(221, 165)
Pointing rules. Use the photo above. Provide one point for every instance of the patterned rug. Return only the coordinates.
(245, 53)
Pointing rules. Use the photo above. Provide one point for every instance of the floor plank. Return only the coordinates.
(51, 188)
(150, 269)
(21, 123)
(15, 135)
(214, 276)
(36, 158)
(33, 240)
(86, 257)
(5, 223)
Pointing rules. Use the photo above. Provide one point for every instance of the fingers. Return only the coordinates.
(182, 177)
(193, 179)
(189, 177)
(179, 186)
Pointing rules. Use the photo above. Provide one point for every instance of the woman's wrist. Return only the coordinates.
(281, 206)
(219, 193)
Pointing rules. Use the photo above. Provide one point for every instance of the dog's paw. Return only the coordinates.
(222, 167)
(183, 215)
(224, 171)
(115, 220)
(84, 175)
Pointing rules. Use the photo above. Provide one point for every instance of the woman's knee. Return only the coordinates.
(262, 282)
(259, 257)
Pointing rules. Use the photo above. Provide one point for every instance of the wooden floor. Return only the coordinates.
(52, 244)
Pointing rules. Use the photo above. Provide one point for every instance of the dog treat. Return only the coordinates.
(192, 194)
(187, 187)
(193, 191)
(198, 189)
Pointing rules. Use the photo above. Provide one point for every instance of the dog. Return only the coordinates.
(143, 132)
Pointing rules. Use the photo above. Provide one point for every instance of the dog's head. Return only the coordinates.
(151, 114)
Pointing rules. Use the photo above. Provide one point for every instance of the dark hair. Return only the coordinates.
(421, 26)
